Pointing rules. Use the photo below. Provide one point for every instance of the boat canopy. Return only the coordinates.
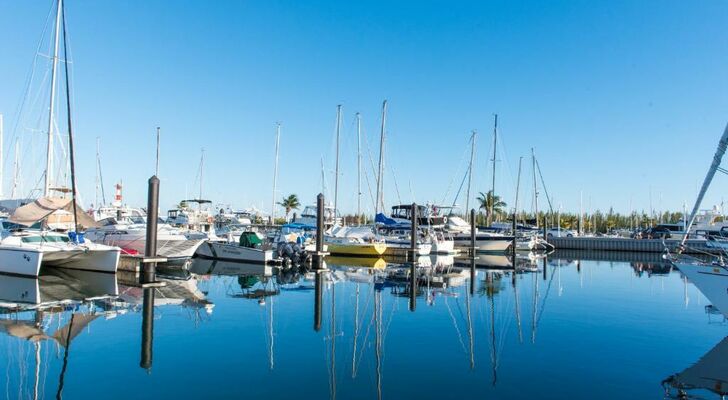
(390, 223)
(43, 207)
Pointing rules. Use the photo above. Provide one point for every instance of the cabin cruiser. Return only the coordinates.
(426, 215)
(308, 217)
(484, 241)
(23, 251)
(130, 234)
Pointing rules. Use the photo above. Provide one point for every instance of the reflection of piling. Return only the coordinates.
(472, 232)
(413, 288)
(544, 268)
(472, 276)
(150, 251)
(318, 300)
(413, 235)
(147, 328)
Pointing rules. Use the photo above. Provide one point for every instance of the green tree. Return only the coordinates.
(488, 200)
(290, 203)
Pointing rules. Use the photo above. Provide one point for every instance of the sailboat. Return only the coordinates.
(24, 251)
(711, 277)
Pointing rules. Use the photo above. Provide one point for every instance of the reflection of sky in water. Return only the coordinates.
(609, 330)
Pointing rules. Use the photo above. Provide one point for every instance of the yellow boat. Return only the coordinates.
(356, 249)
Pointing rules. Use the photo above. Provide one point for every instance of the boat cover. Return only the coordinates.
(43, 207)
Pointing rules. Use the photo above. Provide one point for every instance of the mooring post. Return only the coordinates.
(320, 223)
(147, 328)
(150, 250)
(472, 232)
(318, 300)
(544, 229)
(413, 235)
(413, 287)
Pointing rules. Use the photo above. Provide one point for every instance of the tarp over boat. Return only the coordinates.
(43, 207)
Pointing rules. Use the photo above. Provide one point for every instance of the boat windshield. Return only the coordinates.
(45, 239)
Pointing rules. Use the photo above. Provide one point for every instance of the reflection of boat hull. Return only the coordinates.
(711, 280)
(484, 243)
(205, 266)
(233, 252)
(709, 373)
(367, 262)
(357, 249)
(54, 285)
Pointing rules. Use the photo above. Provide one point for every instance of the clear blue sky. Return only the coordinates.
(619, 98)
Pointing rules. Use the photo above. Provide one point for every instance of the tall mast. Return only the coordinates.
(71, 153)
(714, 166)
(156, 169)
(358, 168)
(275, 173)
(202, 166)
(380, 177)
(470, 172)
(518, 188)
(2, 152)
(336, 178)
(535, 190)
(16, 172)
(492, 187)
(54, 70)
(98, 165)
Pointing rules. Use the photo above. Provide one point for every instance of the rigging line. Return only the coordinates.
(546, 295)
(455, 175)
(455, 324)
(454, 201)
(546, 192)
(31, 74)
(396, 186)
(366, 173)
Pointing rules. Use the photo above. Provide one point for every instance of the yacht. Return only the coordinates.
(308, 217)
(484, 241)
(130, 234)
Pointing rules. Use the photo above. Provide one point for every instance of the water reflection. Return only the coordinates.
(474, 321)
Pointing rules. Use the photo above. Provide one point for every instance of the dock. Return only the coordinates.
(693, 246)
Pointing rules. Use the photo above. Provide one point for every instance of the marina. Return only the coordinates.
(372, 209)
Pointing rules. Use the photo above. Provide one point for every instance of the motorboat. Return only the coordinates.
(249, 249)
(130, 235)
(354, 241)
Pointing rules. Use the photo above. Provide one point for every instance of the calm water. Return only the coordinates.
(557, 328)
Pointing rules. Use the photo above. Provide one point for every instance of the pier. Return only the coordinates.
(692, 246)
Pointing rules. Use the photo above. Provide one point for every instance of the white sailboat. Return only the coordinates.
(23, 252)
(711, 277)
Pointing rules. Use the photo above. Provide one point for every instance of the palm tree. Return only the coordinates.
(289, 203)
(488, 200)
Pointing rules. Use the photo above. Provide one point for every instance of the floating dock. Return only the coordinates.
(693, 246)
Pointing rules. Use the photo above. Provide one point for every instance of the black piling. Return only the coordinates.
(544, 229)
(413, 234)
(318, 299)
(150, 251)
(472, 232)
(413, 288)
(320, 223)
(147, 328)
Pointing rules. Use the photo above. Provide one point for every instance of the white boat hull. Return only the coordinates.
(233, 252)
(484, 244)
(711, 280)
(20, 261)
